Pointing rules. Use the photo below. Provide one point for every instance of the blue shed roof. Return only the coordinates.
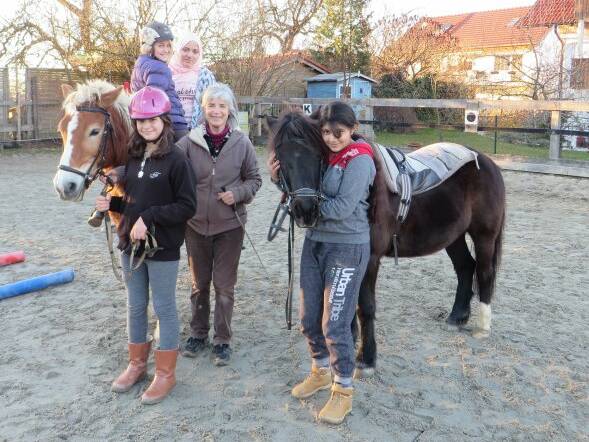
(338, 76)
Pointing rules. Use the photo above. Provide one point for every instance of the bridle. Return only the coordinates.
(302, 192)
(285, 208)
(89, 177)
(99, 159)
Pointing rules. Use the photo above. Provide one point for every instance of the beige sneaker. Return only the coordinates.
(319, 379)
(338, 405)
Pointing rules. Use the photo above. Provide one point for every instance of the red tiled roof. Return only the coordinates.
(487, 29)
(550, 12)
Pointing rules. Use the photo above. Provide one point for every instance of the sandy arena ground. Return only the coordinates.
(528, 381)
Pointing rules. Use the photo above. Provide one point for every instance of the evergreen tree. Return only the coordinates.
(341, 39)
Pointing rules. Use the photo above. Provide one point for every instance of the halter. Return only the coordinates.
(100, 156)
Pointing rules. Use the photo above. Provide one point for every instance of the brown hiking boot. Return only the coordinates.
(136, 370)
(338, 405)
(319, 379)
(165, 377)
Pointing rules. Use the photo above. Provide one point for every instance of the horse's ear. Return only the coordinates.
(315, 114)
(271, 122)
(66, 89)
(107, 99)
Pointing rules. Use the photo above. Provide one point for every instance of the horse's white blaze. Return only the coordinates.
(66, 156)
(63, 177)
(485, 317)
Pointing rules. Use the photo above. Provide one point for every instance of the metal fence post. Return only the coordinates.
(554, 153)
(495, 141)
(258, 110)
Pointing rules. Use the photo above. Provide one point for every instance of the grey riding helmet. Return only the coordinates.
(163, 31)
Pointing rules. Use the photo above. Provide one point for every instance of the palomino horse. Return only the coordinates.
(471, 201)
(95, 130)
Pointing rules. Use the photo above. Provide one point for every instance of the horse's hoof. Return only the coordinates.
(479, 333)
(457, 321)
(363, 373)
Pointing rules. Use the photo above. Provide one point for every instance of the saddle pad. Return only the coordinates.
(427, 167)
(443, 159)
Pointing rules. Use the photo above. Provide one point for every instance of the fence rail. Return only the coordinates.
(36, 119)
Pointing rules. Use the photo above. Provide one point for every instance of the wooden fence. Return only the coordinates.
(33, 111)
(473, 107)
(35, 115)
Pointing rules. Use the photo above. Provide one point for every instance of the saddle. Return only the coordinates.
(421, 170)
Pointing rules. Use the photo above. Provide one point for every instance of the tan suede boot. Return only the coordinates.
(319, 379)
(165, 377)
(136, 370)
(338, 405)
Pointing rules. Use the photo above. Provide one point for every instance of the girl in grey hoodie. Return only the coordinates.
(333, 262)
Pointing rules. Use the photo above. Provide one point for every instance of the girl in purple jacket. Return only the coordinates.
(151, 69)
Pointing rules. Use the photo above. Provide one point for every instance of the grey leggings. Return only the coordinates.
(161, 276)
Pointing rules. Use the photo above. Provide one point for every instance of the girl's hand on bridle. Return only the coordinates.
(103, 203)
(138, 231)
(113, 174)
(273, 166)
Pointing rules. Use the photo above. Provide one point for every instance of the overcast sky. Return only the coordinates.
(442, 7)
(418, 7)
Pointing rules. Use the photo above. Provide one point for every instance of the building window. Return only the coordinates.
(501, 63)
(345, 93)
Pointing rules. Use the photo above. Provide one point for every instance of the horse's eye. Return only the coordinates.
(94, 132)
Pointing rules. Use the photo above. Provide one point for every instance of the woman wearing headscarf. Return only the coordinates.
(190, 76)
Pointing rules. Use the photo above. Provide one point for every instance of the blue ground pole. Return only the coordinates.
(37, 283)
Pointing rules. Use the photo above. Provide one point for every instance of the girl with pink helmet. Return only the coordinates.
(159, 198)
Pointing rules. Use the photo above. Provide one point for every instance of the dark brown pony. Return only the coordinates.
(472, 201)
(82, 129)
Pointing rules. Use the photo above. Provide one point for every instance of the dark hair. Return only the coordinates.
(137, 143)
(337, 112)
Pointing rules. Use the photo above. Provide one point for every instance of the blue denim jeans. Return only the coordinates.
(161, 277)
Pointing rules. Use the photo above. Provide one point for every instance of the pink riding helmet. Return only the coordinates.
(149, 102)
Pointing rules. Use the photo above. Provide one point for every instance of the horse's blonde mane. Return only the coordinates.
(90, 91)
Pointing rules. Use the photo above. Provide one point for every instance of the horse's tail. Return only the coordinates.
(488, 278)
(498, 252)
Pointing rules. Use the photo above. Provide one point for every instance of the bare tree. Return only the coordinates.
(285, 20)
(94, 36)
(417, 46)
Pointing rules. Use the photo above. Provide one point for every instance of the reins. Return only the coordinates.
(285, 208)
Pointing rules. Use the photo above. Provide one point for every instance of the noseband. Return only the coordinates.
(99, 158)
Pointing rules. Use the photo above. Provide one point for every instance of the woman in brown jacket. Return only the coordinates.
(227, 173)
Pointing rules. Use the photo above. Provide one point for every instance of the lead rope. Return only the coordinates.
(288, 306)
(116, 268)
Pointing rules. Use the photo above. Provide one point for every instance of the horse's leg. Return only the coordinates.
(366, 357)
(464, 266)
(486, 269)
(355, 330)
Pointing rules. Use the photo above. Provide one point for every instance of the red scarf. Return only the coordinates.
(344, 156)
(217, 139)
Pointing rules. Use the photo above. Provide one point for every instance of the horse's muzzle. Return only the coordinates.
(305, 211)
(68, 188)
